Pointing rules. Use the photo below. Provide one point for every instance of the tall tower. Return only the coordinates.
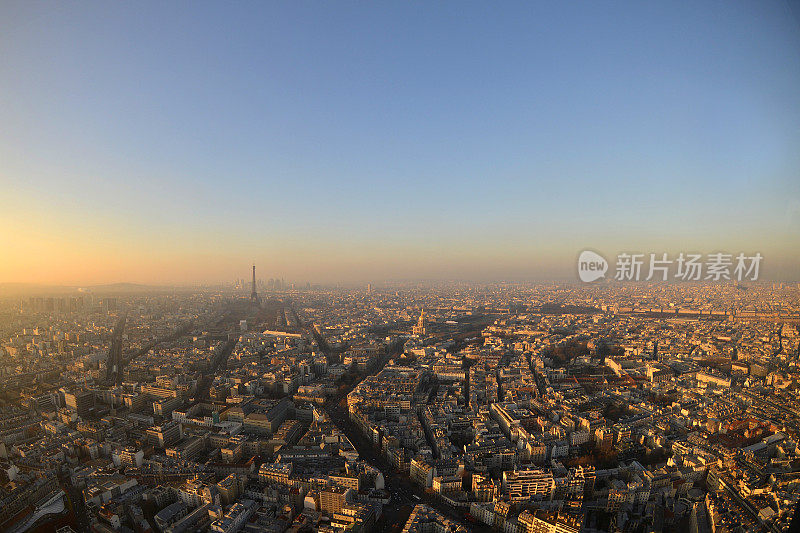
(114, 360)
(254, 294)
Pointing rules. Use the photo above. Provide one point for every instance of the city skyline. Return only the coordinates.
(447, 408)
(360, 143)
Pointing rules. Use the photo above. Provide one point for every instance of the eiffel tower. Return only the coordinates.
(254, 298)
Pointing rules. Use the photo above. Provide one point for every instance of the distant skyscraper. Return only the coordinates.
(114, 360)
(254, 294)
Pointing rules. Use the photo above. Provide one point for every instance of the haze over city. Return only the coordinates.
(178, 143)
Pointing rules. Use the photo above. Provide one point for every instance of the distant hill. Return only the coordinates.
(24, 289)
(36, 289)
(123, 287)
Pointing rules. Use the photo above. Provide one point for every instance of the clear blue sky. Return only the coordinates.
(178, 141)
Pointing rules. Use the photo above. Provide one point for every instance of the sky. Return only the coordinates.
(178, 142)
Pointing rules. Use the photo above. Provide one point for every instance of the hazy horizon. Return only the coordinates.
(180, 143)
